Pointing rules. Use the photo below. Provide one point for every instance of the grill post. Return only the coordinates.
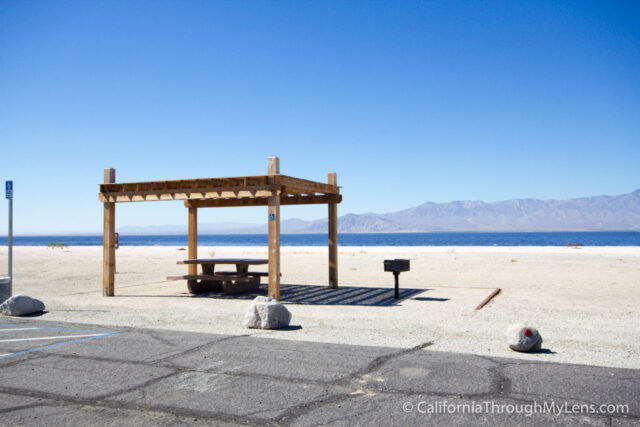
(396, 266)
(396, 276)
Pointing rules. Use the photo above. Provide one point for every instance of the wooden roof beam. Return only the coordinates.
(262, 201)
(184, 184)
(307, 186)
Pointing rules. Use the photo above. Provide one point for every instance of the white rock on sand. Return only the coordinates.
(21, 305)
(267, 313)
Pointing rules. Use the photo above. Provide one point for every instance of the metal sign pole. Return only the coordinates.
(10, 247)
(9, 195)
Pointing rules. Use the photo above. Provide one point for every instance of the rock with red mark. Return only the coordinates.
(521, 337)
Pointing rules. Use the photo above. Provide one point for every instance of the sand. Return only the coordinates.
(584, 300)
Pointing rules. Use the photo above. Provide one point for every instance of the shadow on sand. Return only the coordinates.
(323, 295)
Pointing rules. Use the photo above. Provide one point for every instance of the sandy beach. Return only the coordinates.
(584, 300)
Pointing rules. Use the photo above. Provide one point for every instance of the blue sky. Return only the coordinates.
(407, 101)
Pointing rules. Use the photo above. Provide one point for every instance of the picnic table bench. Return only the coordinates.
(230, 282)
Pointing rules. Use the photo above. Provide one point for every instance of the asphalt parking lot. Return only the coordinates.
(55, 373)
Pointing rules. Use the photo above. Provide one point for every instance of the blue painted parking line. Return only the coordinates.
(82, 336)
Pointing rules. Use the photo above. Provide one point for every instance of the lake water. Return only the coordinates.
(604, 238)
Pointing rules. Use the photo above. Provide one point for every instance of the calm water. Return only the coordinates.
(605, 238)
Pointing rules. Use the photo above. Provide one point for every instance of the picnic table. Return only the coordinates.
(231, 282)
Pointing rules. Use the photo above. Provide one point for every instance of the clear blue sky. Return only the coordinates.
(407, 101)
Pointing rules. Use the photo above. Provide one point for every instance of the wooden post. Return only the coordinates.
(333, 237)
(274, 233)
(109, 240)
(193, 239)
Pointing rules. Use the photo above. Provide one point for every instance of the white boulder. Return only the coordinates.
(521, 337)
(21, 305)
(267, 313)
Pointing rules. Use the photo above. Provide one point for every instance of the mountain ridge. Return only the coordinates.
(596, 213)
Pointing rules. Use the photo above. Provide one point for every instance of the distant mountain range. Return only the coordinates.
(599, 213)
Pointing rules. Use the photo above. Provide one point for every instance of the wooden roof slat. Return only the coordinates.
(192, 190)
(189, 193)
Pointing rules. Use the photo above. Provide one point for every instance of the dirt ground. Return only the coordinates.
(583, 300)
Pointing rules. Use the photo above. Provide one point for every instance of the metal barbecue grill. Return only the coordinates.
(396, 266)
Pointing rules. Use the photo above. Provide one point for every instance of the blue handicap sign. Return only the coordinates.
(8, 189)
(272, 216)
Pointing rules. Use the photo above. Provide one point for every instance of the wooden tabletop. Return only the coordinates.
(236, 261)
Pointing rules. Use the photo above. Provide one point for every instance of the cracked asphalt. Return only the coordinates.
(129, 376)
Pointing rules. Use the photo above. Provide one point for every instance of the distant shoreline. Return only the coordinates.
(220, 233)
(551, 238)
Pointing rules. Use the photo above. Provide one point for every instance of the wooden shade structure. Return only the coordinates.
(272, 190)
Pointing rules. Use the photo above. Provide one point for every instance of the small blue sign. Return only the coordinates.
(272, 216)
(8, 189)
